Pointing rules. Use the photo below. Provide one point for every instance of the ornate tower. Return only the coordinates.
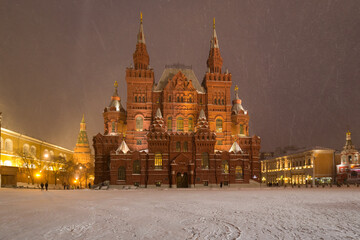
(114, 115)
(218, 99)
(82, 152)
(239, 118)
(140, 81)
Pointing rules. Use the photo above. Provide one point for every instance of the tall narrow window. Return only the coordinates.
(219, 125)
(178, 146)
(190, 100)
(178, 99)
(26, 149)
(241, 129)
(222, 102)
(169, 124)
(113, 127)
(139, 123)
(143, 99)
(182, 99)
(135, 98)
(205, 160)
(158, 161)
(8, 145)
(136, 167)
(191, 124)
(225, 166)
(169, 98)
(180, 124)
(121, 173)
(185, 146)
(239, 172)
(215, 101)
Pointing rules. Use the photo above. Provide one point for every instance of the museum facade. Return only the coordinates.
(176, 132)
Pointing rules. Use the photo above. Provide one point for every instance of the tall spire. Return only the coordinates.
(214, 61)
(141, 56)
(82, 137)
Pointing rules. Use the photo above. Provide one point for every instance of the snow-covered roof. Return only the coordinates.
(123, 148)
(235, 148)
(170, 72)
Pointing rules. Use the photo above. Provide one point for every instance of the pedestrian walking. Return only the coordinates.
(42, 186)
(89, 185)
(220, 184)
(46, 186)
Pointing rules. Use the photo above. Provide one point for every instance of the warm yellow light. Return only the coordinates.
(75, 181)
(38, 175)
(46, 155)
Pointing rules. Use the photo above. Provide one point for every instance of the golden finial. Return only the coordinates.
(236, 88)
(116, 84)
(214, 23)
(348, 132)
(140, 17)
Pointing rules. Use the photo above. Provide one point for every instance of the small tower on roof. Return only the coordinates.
(82, 152)
(239, 117)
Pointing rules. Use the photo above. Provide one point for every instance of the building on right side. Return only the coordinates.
(307, 166)
(348, 170)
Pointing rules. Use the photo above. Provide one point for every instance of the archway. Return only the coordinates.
(181, 180)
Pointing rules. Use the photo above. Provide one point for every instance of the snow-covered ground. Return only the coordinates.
(275, 213)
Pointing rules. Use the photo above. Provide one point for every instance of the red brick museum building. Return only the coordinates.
(176, 132)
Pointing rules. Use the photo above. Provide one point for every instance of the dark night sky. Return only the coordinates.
(296, 62)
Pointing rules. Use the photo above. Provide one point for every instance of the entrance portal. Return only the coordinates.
(181, 180)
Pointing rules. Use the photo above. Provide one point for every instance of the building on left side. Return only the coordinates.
(25, 160)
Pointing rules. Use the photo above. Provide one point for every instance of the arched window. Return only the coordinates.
(143, 99)
(26, 149)
(169, 98)
(350, 159)
(225, 166)
(169, 124)
(136, 167)
(222, 102)
(121, 173)
(158, 161)
(185, 146)
(33, 151)
(178, 99)
(51, 154)
(8, 145)
(239, 172)
(191, 124)
(205, 160)
(139, 123)
(241, 129)
(215, 101)
(182, 99)
(178, 146)
(190, 100)
(135, 98)
(219, 125)
(180, 124)
(46, 154)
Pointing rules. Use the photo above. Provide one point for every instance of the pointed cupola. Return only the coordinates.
(141, 56)
(202, 123)
(158, 123)
(215, 61)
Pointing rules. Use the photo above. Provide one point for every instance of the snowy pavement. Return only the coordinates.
(275, 213)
